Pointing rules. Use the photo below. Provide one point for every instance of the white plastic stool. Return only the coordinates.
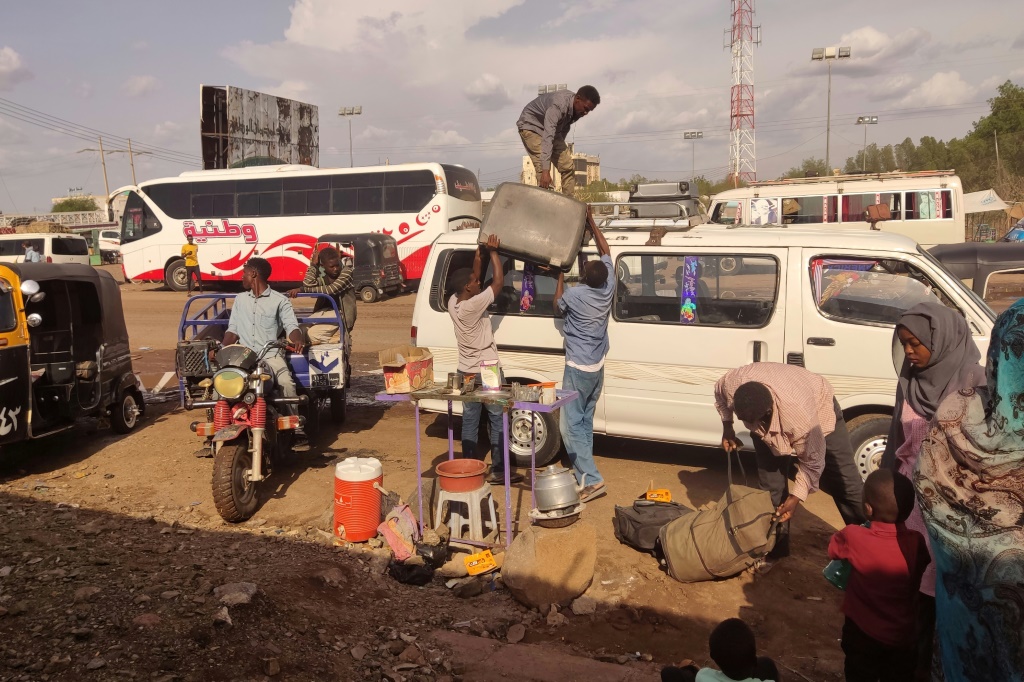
(471, 515)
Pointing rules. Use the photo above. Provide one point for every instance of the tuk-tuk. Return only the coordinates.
(976, 262)
(377, 270)
(63, 351)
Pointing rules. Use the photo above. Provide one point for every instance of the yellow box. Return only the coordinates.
(659, 495)
(481, 562)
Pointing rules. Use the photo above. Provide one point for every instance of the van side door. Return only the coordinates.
(679, 322)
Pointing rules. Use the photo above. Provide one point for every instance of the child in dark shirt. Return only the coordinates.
(887, 561)
(734, 650)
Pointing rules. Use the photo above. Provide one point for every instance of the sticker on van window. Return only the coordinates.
(688, 291)
(529, 289)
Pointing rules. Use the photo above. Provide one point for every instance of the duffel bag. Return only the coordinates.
(638, 526)
(724, 540)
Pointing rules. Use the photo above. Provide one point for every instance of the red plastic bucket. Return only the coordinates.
(356, 501)
(461, 475)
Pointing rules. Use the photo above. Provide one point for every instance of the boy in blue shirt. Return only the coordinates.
(585, 309)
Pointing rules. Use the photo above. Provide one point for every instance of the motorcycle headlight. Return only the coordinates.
(229, 383)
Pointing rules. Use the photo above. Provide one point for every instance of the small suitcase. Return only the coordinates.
(676, 192)
(536, 225)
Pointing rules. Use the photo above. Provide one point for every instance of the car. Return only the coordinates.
(54, 247)
(824, 299)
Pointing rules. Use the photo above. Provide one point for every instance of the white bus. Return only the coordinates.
(927, 206)
(277, 213)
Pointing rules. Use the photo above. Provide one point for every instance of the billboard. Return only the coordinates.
(241, 128)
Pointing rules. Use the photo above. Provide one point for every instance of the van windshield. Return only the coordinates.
(964, 289)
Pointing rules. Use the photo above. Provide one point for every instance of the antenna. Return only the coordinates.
(741, 39)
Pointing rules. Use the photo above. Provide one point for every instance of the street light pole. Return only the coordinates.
(693, 136)
(827, 54)
(349, 112)
(103, 161)
(865, 121)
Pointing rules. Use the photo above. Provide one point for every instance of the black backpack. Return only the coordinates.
(638, 526)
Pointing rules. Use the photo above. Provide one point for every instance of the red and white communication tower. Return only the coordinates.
(740, 39)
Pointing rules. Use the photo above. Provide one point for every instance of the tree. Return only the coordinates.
(73, 204)
(812, 165)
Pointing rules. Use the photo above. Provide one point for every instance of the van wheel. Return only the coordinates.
(622, 272)
(368, 295)
(549, 440)
(730, 265)
(124, 416)
(176, 276)
(869, 434)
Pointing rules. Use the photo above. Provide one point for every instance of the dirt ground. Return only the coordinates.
(111, 550)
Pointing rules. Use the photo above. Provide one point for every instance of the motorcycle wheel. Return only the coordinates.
(233, 495)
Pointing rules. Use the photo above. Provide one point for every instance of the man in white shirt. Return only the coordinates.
(31, 255)
(468, 309)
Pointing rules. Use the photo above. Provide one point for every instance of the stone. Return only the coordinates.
(95, 664)
(6, 571)
(470, 587)
(142, 598)
(454, 567)
(18, 608)
(82, 633)
(411, 654)
(551, 565)
(358, 652)
(395, 647)
(271, 667)
(222, 618)
(378, 561)
(146, 620)
(233, 594)
(84, 594)
(332, 577)
(584, 606)
(170, 594)
(555, 618)
(516, 633)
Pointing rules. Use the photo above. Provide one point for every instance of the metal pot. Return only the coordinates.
(555, 488)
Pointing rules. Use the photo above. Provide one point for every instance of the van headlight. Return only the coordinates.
(229, 383)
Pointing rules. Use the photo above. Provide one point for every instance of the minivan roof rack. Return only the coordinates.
(680, 222)
(891, 175)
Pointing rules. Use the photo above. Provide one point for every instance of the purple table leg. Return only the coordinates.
(451, 437)
(533, 458)
(419, 468)
(508, 491)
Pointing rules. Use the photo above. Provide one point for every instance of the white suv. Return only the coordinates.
(823, 299)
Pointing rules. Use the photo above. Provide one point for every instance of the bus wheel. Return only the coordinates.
(176, 276)
(730, 265)
(368, 294)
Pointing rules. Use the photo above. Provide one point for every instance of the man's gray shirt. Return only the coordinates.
(257, 320)
(550, 116)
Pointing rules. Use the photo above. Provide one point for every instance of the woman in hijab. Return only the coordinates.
(970, 487)
(939, 358)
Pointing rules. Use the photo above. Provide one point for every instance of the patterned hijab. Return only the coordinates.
(1003, 427)
(954, 362)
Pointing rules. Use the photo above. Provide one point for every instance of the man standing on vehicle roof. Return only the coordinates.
(258, 316)
(467, 307)
(190, 252)
(326, 275)
(791, 412)
(585, 309)
(543, 126)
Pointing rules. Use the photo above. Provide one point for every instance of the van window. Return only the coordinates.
(764, 211)
(856, 205)
(109, 234)
(69, 246)
(868, 290)
(462, 183)
(928, 205)
(138, 220)
(13, 246)
(726, 213)
(518, 297)
(705, 290)
(805, 210)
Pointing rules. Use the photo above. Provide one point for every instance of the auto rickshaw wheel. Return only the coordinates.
(368, 294)
(339, 405)
(233, 494)
(125, 414)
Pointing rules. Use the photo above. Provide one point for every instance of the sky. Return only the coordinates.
(446, 80)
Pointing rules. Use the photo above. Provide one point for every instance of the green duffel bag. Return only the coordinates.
(724, 540)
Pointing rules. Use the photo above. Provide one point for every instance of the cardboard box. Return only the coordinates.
(406, 369)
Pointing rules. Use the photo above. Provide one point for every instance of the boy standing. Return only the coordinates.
(887, 561)
(468, 309)
(585, 309)
(190, 252)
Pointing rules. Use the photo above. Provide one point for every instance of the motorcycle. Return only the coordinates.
(245, 429)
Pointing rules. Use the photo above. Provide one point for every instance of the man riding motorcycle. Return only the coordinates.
(258, 316)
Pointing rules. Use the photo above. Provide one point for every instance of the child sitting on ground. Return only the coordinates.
(734, 650)
(887, 561)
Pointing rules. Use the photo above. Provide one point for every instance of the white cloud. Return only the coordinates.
(579, 9)
(11, 134)
(488, 93)
(168, 130)
(12, 71)
(945, 87)
(137, 86)
(290, 89)
(440, 138)
(1018, 43)
(371, 133)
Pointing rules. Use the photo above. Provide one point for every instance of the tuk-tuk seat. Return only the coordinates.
(86, 371)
